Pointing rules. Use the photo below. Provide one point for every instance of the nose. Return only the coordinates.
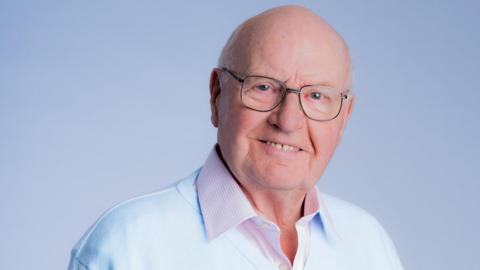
(288, 116)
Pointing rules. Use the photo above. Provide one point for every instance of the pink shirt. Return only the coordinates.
(224, 206)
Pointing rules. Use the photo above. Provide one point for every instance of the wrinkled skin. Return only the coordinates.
(296, 46)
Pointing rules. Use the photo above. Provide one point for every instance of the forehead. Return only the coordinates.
(298, 65)
(300, 56)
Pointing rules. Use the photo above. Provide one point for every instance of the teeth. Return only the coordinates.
(284, 147)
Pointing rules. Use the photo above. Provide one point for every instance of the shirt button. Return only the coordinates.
(283, 267)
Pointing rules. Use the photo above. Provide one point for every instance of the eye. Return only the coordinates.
(316, 95)
(263, 87)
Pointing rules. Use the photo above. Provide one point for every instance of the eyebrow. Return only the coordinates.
(321, 82)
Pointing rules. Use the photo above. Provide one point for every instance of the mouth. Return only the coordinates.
(282, 146)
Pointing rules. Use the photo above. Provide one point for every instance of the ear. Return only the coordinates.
(345, 115)
(214, 94)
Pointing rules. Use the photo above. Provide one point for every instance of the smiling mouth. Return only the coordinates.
(280, 146)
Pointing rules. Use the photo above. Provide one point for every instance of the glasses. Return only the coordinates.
(263, 94)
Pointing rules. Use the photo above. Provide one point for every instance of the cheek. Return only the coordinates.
(237, 123)
(236, 128)
(324, 140)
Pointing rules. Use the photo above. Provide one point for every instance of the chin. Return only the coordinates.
(281, 180)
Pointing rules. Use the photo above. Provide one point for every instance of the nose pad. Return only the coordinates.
(289, 115)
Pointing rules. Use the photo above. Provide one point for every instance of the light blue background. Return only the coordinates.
(104, 100)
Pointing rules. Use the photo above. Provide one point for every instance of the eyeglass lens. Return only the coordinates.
(318, 102)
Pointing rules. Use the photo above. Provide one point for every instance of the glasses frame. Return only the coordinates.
(343, 95)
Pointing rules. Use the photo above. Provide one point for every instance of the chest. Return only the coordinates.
(231, 251)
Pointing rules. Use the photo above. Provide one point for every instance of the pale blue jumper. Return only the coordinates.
(165, 230)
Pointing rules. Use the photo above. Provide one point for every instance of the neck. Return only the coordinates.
(283, 208)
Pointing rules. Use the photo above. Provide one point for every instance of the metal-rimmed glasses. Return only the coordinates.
(260, 93)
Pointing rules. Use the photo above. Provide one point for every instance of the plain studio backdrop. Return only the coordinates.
(101, 101)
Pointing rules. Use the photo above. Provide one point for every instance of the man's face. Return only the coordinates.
(249, 140)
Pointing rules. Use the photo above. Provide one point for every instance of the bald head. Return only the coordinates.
(287, 32)
(273, 138)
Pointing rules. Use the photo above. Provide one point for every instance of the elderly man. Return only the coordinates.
(280, 99)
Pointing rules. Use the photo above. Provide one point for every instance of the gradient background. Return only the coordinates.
(104, 100)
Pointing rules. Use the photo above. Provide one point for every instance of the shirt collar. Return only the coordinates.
(222, 202)
(329, 229)
(224, 205)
